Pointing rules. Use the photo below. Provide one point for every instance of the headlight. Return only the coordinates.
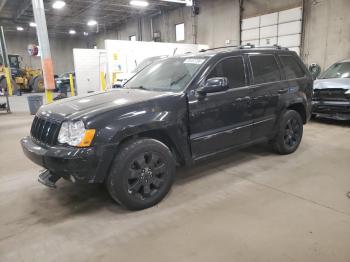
(75, 134)
(347, 92)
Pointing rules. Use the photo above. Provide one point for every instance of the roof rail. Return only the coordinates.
(246, 46)
(220, 47)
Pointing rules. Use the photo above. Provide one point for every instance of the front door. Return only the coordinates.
(221, 120)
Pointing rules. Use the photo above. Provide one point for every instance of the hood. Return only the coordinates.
(334, 83)
(93, 104)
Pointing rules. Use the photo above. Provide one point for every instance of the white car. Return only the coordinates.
(332, 92)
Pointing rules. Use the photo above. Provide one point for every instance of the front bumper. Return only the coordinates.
(339, 110)
(84, 164)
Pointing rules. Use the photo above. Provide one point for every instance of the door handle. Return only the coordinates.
(244, 99)
(283, 91)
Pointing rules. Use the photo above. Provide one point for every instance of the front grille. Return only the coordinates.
(45, 131)
(330, 94)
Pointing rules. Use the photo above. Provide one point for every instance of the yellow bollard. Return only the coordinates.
(71, 84)
(8, 81)
(103, 81)
(48, 96)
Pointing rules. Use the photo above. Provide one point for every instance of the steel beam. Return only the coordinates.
(44, 45)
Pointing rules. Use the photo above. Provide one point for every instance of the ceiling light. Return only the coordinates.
(20, 28)
(86, 33)
(58, 4)
(72, 32)
(139, 3)
(92, 23)
(32, 24)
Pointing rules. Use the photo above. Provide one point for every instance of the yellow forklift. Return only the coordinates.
(24, 79)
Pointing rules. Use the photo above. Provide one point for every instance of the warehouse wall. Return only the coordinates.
(327, 31)
(61, 50)
(218, 22)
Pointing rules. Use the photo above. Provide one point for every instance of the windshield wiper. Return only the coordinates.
(138, 87)
(178, 80)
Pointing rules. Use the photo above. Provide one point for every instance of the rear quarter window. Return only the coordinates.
(265, 68)
(291, 67)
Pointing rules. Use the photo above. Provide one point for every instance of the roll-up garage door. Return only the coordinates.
(282, 28)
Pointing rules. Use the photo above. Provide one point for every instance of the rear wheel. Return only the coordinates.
(290, 133)
(142, 174)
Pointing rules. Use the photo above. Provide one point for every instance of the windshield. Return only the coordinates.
(146, 62)
(338, 70)
(171, 74)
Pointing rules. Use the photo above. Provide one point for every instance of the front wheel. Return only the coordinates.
(142, 174)
(289, 134)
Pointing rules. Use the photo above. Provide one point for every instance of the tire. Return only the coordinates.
(142, 174)
(38, 84)
(289, 134)
(3, 85)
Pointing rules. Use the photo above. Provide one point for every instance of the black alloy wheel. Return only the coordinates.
(146, 175)
(289, 134)
(292, 133)
(141, 174)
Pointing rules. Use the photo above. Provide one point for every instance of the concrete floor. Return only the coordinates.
(251, 205)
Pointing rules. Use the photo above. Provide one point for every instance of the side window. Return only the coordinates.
(265, 69)
(291, 67)
(233, 69)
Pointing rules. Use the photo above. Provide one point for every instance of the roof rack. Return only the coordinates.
(220, 47)
(246, 46)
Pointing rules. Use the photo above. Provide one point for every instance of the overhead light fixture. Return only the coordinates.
(92, 23)
(139, 3)
(186, 2)
(32, 24)
(20, 28)
(72, 32)
(58, 4)
(86, 33)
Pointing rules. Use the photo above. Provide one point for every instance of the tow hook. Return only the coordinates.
(48, 179)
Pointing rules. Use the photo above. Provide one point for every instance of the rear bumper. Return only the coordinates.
(84, 164)
(332, 109)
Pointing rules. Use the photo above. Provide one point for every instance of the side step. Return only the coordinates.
(48, 179)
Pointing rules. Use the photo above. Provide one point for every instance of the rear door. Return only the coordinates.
(266, 80)
(221, 120)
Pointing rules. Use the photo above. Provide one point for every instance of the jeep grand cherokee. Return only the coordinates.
(175, 112)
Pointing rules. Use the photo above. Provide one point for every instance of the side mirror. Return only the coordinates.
(213, 85)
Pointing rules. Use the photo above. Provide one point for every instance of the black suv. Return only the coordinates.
(175, 112)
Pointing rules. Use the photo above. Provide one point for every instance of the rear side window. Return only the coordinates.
(233, 69)
(291, 67)
(265, 69)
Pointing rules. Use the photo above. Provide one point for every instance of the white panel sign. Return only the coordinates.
(250, 34)
(250, 23)
(87, 64)
(290, 15)
(269, 19)
(289, 28)
(268, 31)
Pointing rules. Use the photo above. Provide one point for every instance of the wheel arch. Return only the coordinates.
(159, 135)
(300, 108)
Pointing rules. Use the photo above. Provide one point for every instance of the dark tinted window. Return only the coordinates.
(291, 67)
(265, 68)
(233, 69)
